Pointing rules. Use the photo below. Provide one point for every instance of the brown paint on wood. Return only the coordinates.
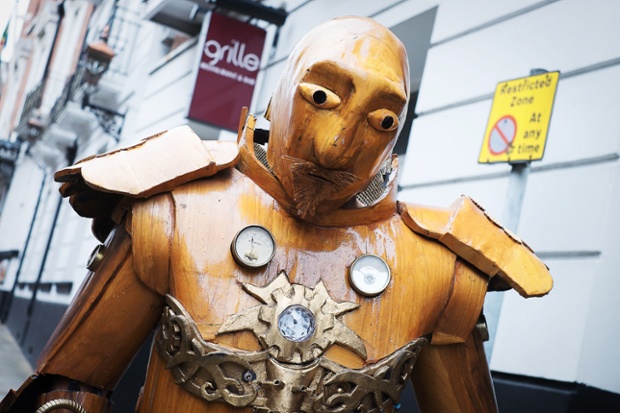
(348, 215)
(207, 280)
(464, 306)
(83, 395)
(155, 165)
(106, 323)
(454, 378)
(473, 235)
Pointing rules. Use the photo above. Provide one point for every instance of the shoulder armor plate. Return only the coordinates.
(467, 230)
(155, 165)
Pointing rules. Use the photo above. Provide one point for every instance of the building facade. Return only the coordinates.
(554, 354)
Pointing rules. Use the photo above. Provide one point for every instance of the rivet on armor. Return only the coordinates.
(481, 326)
(249, 376)
(96, 257)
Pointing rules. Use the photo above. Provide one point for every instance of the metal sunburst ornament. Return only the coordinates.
(296, 324)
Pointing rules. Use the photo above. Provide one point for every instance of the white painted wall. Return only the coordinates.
(568, 335)
(18, 211)
(167, 91)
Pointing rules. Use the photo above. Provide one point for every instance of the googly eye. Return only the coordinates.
(383, 120)
(319, 96)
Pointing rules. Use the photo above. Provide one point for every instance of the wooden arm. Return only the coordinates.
(454, 378)
(106, 323)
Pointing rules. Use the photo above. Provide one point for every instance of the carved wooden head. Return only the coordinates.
(337, 111)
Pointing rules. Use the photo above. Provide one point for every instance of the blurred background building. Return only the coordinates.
(80, 77)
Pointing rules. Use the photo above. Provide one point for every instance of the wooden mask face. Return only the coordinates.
(337, 111)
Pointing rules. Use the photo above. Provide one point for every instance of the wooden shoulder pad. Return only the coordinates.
(467, 230)
(156, 164)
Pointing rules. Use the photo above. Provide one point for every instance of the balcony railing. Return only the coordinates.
(69, 93)
(33, 101)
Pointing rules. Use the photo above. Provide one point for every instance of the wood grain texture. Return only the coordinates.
(464, 306)
(473, 235)
(161, 394)
(155, 165)
(179, 247)
(350, 214)
(152, 226)
(178, 204)
(105, 324)
(207, 280)
(454, 378)
(91, 399)
(339, 106)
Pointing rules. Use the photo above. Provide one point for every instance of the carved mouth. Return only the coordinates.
(312, 184)
(311, 170)
(322, 178)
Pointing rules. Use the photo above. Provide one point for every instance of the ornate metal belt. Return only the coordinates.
(256, 379)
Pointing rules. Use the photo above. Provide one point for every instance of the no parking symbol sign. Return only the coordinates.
(519, 119)
(502, 135)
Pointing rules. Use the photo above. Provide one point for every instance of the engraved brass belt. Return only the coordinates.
(255, 379)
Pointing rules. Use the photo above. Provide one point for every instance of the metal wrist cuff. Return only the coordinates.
(61, 404)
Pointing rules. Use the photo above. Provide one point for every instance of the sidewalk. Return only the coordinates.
(14, 368)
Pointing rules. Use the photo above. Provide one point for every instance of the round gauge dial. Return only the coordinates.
(253, 246)
(369, 275)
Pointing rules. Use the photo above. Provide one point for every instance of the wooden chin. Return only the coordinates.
(310, 186)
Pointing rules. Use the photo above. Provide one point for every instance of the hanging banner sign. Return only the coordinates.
(519, 119)
(227, 73)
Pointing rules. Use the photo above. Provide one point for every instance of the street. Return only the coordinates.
(14, 368)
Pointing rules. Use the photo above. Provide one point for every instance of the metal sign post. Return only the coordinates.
(516, 133)
(510, 220)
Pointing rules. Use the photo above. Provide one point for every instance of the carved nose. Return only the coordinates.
(333, 149)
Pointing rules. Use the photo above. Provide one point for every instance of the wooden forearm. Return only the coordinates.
(454, 378)
(106, 323)
(67, 392)
(50, 393)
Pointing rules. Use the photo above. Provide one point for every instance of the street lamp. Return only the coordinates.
(34, 128)
(97, 61)
(98, 58)
(31, 129)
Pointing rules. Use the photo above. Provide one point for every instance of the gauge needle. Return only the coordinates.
(251, 255)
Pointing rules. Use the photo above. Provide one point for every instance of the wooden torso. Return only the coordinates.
(207, 280)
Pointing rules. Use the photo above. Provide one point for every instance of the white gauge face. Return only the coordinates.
(253, 246)
(370, 275)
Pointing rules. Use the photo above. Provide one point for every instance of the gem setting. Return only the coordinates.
(295, 323)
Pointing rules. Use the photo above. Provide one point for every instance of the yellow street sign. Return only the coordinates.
(519, 119)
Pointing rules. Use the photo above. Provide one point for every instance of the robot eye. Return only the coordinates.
(383, 120)
(319, 96)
